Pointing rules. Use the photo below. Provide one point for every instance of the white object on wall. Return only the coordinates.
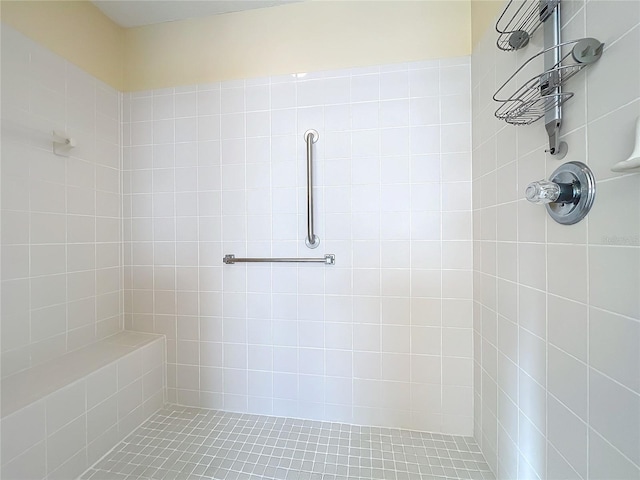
(631, 164)
(62, 143)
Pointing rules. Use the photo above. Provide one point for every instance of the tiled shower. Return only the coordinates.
(461, 333)
(556, 307)
(220, 169)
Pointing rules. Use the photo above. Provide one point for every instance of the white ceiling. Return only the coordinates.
(133, 13)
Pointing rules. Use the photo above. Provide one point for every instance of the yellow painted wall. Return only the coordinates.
(307, 36)
(483, 17)
(76, 30)
(300, 37)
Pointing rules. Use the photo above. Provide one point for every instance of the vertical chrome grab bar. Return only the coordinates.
(310, 137)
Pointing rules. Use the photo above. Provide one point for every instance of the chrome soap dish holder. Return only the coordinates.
(542, 93)
(525, 17)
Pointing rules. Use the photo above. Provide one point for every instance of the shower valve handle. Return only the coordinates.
(544, 191)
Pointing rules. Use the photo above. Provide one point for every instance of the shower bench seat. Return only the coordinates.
(60, 417)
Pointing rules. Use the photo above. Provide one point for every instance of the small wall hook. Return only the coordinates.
(62, 143)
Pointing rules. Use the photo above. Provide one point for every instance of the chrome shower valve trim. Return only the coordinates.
(568, 194)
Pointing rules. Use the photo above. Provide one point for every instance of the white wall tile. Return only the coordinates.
(101, 384)
(625, 89)
(566, 367)
(424, 82)
(65, 405)
(612, 349)
(31, 464)
(66, 442)
(568, 435)
(605, 461)
(362, 196)
(614, 278)
(607, 397)
(23, 430)
(95, 111)
(72, 467)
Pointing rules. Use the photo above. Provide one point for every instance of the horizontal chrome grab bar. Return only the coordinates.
(329, 259)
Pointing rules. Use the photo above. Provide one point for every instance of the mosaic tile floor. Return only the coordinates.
(192, 443)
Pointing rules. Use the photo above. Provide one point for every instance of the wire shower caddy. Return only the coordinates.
(524, 18)
(542, 93)
(525, 99)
